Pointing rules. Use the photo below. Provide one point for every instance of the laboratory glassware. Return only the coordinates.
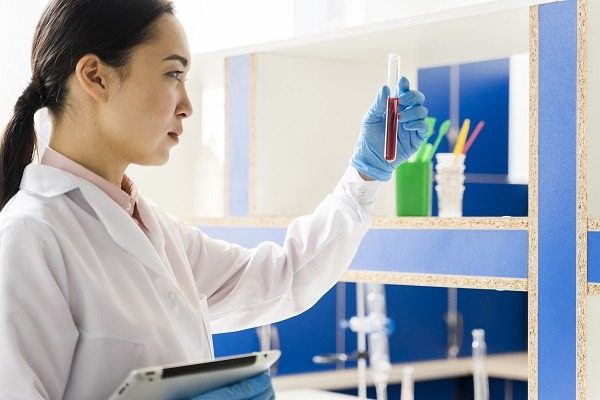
(480, 376)
(360, 325)
(379, 355)
(361, 337)
(407, 391)
(391, 124)
(376, 326)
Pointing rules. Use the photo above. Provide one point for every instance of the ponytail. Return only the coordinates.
(19, 142)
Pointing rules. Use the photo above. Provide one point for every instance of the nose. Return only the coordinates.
(184, 108)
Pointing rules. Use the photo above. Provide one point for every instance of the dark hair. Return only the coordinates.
(66, 31)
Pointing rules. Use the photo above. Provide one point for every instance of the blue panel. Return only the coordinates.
(306, 335)
(495, 253)
(481, 309)
(491, 200)
(498, 253)
(557, 203)
(231, 343)
(593, 259)
(435, 84)
(484, 96)
(238, 121)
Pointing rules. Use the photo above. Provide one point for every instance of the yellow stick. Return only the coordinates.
(462, 137)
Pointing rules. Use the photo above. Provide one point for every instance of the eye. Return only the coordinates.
(177, 75)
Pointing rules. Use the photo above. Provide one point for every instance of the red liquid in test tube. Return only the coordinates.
(391, 121)
(391, 129)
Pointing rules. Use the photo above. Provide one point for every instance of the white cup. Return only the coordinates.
(450, 178)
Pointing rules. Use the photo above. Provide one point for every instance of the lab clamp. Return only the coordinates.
(378, 327)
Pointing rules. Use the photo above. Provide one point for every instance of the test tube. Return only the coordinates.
(407, 390)
(391, 125)
(480, 376)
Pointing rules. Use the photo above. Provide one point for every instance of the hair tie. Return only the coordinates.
(31, 100)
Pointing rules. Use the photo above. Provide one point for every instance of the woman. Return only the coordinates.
(94, 279)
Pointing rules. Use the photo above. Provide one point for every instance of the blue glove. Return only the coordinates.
(368, 156)
(256, 388)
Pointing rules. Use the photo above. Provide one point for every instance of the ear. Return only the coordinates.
(93, 76)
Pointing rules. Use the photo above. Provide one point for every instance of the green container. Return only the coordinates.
(413, 189)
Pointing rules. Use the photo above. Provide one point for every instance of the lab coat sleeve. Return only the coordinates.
(253, 287)
(37, 333)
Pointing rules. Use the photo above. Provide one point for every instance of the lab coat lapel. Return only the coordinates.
(122, 229)
(49, 182)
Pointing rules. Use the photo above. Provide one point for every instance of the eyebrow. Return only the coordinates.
(177, 57)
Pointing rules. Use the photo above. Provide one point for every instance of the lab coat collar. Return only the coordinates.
(51, 182)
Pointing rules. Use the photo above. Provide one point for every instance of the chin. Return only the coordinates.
(163, 160)
(154, 160)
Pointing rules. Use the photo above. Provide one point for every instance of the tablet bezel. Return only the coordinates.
(229, 369)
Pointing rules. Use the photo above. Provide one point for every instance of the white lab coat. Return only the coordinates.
(85, 295)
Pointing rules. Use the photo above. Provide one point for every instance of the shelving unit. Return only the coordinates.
(544, 254)
(483, 253)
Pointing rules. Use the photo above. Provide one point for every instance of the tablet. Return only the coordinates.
(184, 381)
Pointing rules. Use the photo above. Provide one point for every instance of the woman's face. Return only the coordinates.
(143, 114)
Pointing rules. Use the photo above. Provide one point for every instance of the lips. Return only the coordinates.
(175, 134)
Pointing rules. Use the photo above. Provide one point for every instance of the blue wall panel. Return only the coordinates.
(593, 259)
(557, 203)
(484, 96)
(435, 84)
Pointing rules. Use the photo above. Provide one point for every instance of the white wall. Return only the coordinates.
(308, 115)
(593, 347)
(518, 131)
(593, 105)
(593, 185)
